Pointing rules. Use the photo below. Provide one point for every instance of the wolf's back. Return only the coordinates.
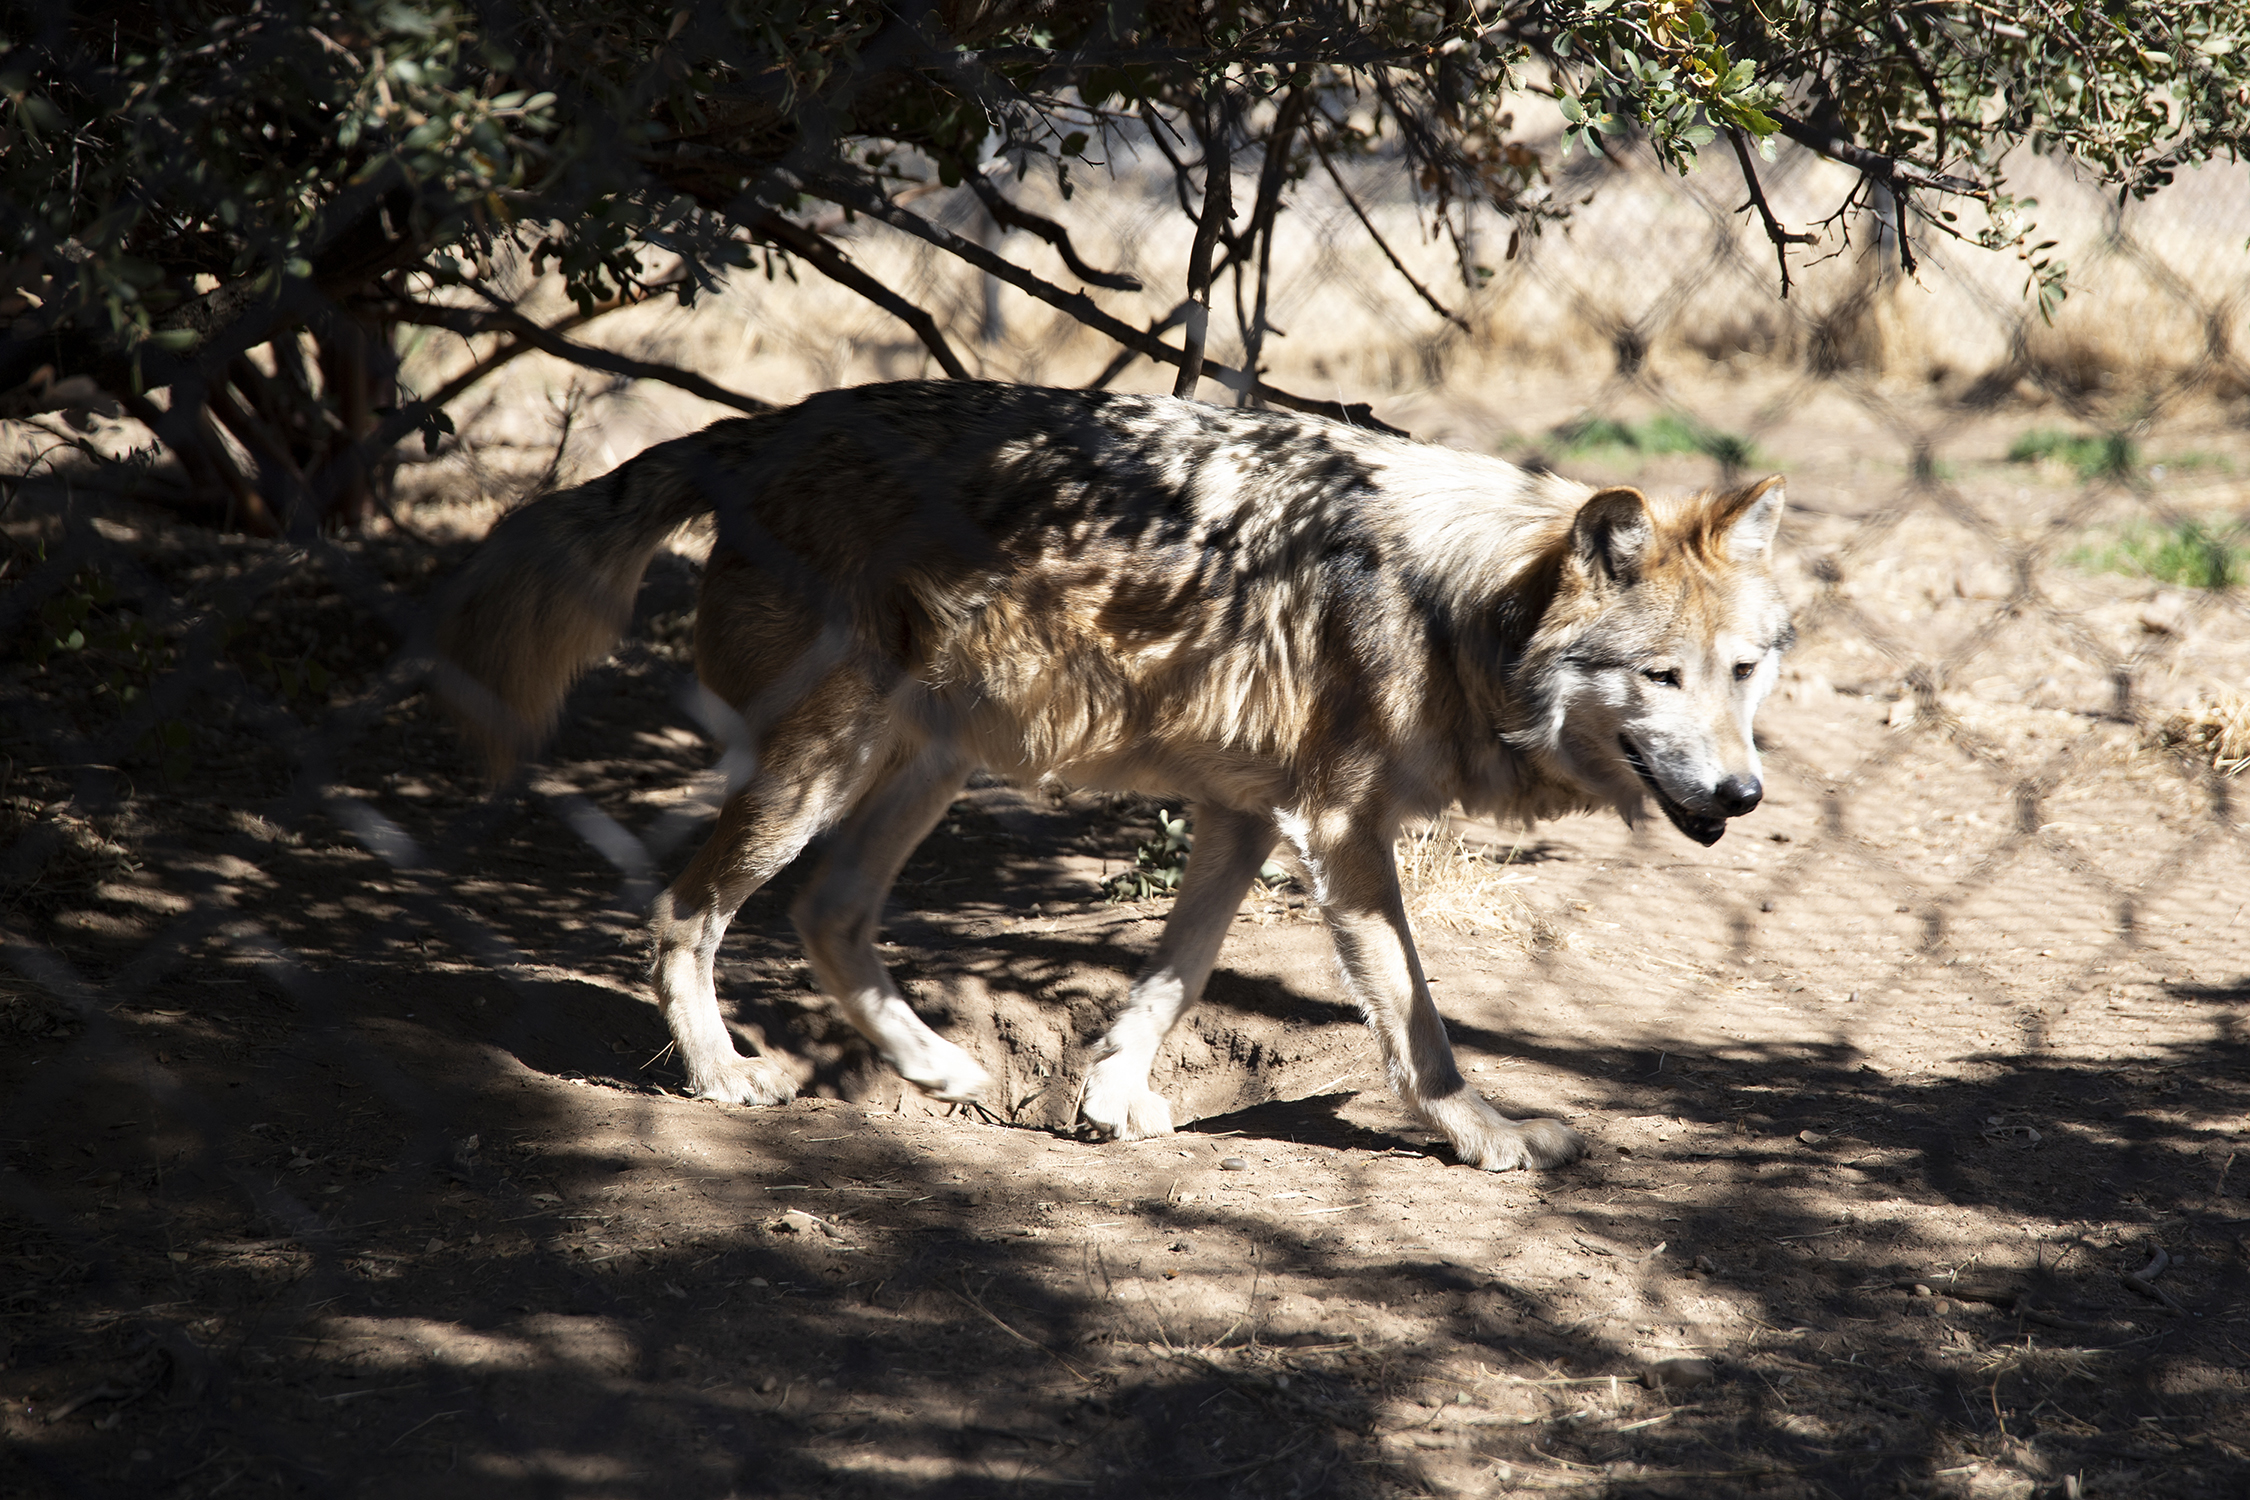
(550, 590)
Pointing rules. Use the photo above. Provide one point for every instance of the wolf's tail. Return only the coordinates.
(550, 591)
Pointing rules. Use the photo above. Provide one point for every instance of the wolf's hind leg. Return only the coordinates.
(1230, 847)
(809, 772)
(841, 910)
(1366, 916)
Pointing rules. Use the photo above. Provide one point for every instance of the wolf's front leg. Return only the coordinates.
(803, 781)
(1230, 847)
(687, 994)
(1366, 914)
(840, 911)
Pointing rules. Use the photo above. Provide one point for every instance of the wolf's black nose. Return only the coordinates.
(1737, 795)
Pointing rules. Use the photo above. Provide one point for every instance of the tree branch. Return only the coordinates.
(1006, 211)
(1218, 209)
(1260, 230)
(1896, 29)
(281, 479)
(191, 435)
(864, 199)
(464, 321)
(514, 349)
(1384, 245)
(1782, 238)
(832, 263)
(1900, 177)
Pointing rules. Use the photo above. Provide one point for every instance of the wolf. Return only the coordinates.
(1309, 632)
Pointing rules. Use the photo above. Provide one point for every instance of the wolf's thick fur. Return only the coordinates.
(1309, 631)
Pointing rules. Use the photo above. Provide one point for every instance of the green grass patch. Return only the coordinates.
(2191, 554)
(1666, 432)
(2092, 454)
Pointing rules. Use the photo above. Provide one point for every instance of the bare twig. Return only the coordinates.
(1899, 176)
(1028, 1342)
(515, 349)
(1218, 208)
(1782, 239)
(465, 321)
(1158, 129)
(1383, 245)
(2144, 1280)
(865, 199)
(1899, 36)
(834, 264)
(1124, 357)
(1260, 231)
(1006, 211)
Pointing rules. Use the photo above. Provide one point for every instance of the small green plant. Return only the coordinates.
(83, 619)
(303, 677)
(1666, 432)
(2191, 554)
(83, 625)
(2093, 454)
(1158, 865)
(1161, 864)
(1588, 433)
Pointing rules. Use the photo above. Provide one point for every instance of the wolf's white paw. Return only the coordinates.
(742, 1080)
(1522, 1143)
(1485, 1138)
(1124, 1111)
(945, 1072)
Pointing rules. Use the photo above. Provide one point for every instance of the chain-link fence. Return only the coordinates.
(342, 1153)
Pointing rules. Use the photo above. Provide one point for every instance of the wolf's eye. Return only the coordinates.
(1745, 670)
(1664, 676)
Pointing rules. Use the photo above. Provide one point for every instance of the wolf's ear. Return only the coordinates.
(1748, 518)
(1612, 535)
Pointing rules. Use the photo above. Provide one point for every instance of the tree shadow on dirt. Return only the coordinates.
(374, 1257)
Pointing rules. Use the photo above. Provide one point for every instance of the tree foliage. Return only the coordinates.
(182, 184)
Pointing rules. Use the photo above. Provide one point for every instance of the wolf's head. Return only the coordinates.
(1665, 632)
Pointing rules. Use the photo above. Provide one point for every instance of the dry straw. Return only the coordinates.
(2215, 728)
(1463, 887)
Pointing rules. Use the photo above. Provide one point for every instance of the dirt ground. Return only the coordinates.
(339, 1153)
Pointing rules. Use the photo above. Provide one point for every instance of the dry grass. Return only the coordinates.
(2216, 728)
(1463, 887)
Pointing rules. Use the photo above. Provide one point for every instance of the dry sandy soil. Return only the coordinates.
(339, 1153)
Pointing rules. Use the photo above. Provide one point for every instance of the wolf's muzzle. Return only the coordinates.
(1704, 829)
